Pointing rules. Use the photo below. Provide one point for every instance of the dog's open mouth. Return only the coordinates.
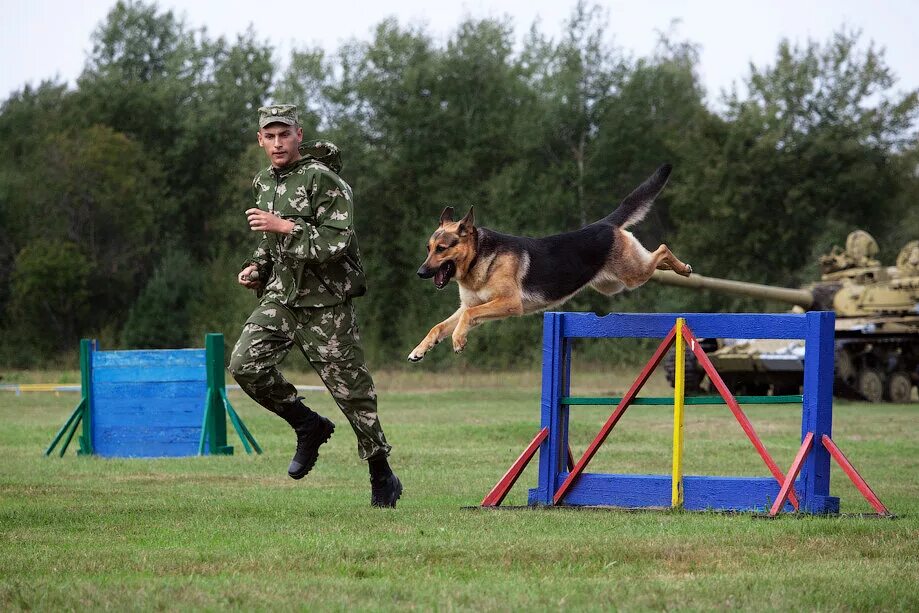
(444, 274)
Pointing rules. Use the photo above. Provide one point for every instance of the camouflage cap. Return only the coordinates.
(277, 113)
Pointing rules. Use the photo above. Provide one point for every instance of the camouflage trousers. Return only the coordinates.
(329, 338)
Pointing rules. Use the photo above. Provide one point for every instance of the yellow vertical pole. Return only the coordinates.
(676, 498)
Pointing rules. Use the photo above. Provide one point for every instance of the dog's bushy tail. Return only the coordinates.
(636, 205)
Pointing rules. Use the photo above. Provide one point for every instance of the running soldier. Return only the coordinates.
(306, 269)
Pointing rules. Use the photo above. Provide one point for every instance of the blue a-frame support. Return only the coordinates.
(700, 492)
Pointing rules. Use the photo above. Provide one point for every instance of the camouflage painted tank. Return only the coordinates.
(877, 326)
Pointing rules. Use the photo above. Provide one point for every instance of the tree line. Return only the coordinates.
(122, 198)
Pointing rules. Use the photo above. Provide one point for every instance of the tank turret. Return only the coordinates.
(877, 324)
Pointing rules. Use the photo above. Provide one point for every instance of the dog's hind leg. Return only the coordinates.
(633, 264)
(665, 260)
(498, 308)
(437, 334)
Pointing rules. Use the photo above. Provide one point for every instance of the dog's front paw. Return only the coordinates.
(416, 355)
(459, 343)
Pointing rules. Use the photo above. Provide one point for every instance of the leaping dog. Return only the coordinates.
(500, 275)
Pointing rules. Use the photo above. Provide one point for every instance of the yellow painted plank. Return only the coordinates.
(679, 393)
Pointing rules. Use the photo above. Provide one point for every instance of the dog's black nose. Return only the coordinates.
(425, 273)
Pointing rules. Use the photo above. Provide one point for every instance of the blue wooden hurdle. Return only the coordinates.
(698, 492)
(153, 403)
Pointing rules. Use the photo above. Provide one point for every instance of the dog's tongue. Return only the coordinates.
(440, 277)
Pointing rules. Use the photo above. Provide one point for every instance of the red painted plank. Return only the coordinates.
(614, 418)
(497, 494)
(792, 474)
(853, 475)
(735, 409)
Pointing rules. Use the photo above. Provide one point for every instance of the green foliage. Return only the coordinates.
(187, 98)
(814, 149)
(155, 147)
(51, 294)
(100, 191)
(161, 316)
(220, 304)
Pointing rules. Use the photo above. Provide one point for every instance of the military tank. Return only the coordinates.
(877, 327)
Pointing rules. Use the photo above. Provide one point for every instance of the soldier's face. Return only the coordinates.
(280, 142)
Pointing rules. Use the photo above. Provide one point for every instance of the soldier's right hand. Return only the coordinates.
(245, 279)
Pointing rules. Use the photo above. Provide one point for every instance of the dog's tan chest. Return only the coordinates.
(471, 297)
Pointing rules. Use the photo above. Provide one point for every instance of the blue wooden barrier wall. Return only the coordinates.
(700, 492)
(153, 403)
(147, 403)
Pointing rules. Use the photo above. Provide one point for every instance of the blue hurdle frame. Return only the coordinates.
(700, 492)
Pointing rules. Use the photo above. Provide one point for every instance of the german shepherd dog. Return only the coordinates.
(500, 275)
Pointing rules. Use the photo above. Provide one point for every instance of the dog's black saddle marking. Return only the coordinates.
(559, 265)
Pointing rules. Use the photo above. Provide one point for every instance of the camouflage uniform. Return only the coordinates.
(312, 274)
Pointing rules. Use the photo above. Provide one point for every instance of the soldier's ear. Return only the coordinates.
(447, 215)
(467, 223)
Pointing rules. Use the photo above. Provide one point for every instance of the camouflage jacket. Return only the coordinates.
(318, 264)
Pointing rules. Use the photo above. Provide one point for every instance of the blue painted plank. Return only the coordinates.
(703, 325)
(150, 357)
(150, 365)
(146, 442)
(177, 390)
(184, 392)
(732, 493)
(128, 416)
(700, 492)
(150, 435)
(149, 374)
(619, 490)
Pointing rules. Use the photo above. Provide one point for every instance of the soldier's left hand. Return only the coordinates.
(263, 221)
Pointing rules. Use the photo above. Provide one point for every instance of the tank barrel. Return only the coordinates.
(800, 297)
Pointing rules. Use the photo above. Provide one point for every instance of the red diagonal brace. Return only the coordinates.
(623, 405)
(735, 409)
(792, 474)
(853, 475)
(497, 494)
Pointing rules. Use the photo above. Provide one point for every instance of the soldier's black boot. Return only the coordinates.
(312, 431)
(385, 487)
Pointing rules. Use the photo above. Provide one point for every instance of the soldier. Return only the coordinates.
(306, 269)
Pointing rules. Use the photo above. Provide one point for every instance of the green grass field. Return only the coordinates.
(237, 533)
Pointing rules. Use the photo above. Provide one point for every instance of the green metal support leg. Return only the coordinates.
(81, 414)
(214, 431)
(74, 418)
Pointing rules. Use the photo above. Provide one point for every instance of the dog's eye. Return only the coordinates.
(440, 248)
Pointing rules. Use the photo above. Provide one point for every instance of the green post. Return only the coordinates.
(217, 394)
(87, 347)
(215, 420)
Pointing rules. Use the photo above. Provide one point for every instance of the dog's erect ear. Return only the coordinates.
(447, 215)
(467, 223)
